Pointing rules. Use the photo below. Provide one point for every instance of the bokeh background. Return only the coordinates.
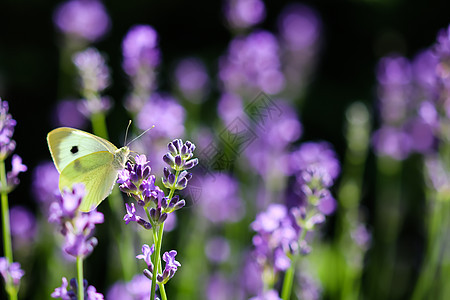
(355, 35)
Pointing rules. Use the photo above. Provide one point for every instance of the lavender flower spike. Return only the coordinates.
(7, 124)
(11, 270)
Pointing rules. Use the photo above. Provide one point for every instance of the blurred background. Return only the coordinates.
(340, 68)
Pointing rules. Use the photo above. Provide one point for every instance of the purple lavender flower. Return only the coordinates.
(217, 249)
(140, 49)
(165, 113)
(309, 287)
(45, 182)
(61, 292)
(17, 167)
(252, 62)
(219, 288)
(277, 235)
(119, 291)
(139, 288)
(7, 124)
(242, 14)
(299, 26)
(230, 107)
(67, 113)
(11, 270)
(23, 225)
(170, 268)
(192, 79)
(85, 19)
(94, 72)
(392, 142)
(76, 227)
(146, 255)
(69, 291)
(219, 200)
(180, 158)
(316, 155)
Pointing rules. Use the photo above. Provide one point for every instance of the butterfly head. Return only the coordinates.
(120, 157)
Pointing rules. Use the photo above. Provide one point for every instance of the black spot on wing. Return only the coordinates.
(74, 149)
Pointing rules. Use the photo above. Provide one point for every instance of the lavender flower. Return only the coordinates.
(45, 182)
(217, 249)
(170, 267)
(94, 72)
(252, 63)
(140, 50)
(164, 112)
(180, 157)
(76, 227)
(67, 114)
(69, 292)
(277, 235)
(192, 79)
(219, 288)
(11, 270)
(7, 124)
(17, 168)
(219, 200)
(242, 14)
(84, 19)
(23, 225)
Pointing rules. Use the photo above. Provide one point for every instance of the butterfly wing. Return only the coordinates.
(96, 172)
(68, 144)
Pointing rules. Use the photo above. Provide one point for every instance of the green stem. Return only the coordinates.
(157, 255)
(99, 125)
(289, 276)
(80, 278)
(7, 245)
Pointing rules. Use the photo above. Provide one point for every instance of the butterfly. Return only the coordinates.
(81, 157)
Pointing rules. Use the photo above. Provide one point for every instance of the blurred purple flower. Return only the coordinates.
(170, 268)
(219, 200)
(67, 114)
(17, 168)
(252, 62)
(45, 182)
(11, 270)
(61, 292)
(119, 291)
(309, 287)
(267, 295)
(217, 249)
(23, 224)
(392, 142)
(219, 288)
(94, 72)
(361, 236)
(315, 155)
(230, 107)
(7, 124)
(299, 26)
(192, 79)
(242, 14)
(165, 113)
(70, 291)
(139, 287)
(85, 19)
(276, 235)
(140, 50)
(424, 69)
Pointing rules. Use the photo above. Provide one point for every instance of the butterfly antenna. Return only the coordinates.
(126, 132)
(140, 135)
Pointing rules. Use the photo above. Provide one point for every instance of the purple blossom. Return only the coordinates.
(276, 235)
(146, 255)
(45, 182)
(131, 214)
(170, 268)
(267, 295)
(85, 19)
(165, 113)
(392, 142)
(241, 14)
(230, 107)
(76, 227)
(192, 79)
(61, 292)
(252, 62)
(219, 288)
(318, 155)
(217, 249)
(309, 287)
(219, 200)
(299, 27)
(67, 113)
(361, 236)
(23, 224)
(140, 49)
(99, 105)
(13, 175)
(94, 72)
(11, 270)
(139, 288)
(7, 124)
